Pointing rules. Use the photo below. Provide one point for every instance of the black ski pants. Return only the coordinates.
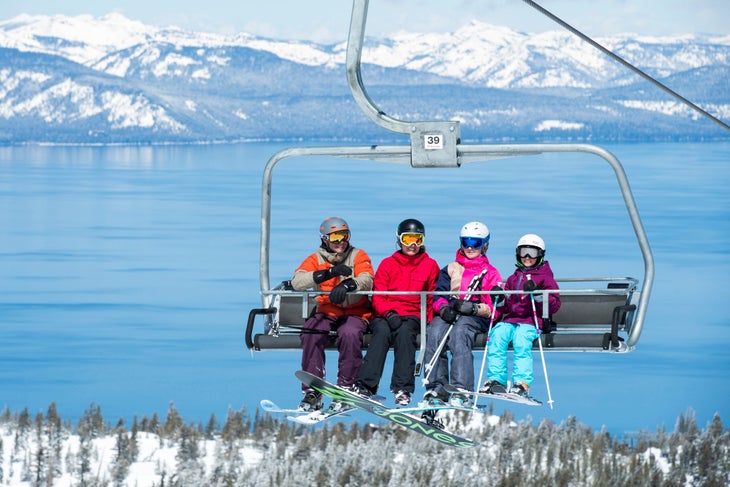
(403, 341)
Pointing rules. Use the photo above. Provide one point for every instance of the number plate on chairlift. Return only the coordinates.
(433, 142)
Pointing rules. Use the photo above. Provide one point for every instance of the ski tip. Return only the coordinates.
(268, 405)
(305, 377)
(303, 419)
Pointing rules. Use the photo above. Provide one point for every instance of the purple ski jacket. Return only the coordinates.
(517, 307)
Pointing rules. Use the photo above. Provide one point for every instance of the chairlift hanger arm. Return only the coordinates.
(434, 143)
(354, 77)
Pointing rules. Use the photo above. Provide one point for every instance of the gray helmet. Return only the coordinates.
(331, 225)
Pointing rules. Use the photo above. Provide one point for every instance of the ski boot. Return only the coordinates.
(312, 401)
(492, 387)
(521, 389)
(402, 398)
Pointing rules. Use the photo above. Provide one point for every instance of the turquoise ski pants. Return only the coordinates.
(521, 335)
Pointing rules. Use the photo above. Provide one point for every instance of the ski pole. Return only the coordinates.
(432, 363)
(473, 285)
(539, 342)
(486, 344)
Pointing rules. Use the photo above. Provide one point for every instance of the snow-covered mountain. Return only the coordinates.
(111, 79)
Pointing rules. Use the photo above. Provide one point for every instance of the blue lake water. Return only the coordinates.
(127, 273)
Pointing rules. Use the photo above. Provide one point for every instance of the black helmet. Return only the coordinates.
(411, 225)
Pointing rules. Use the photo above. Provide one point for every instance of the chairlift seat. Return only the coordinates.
(588, 320)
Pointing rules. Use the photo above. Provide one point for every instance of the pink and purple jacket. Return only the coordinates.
(458, 275)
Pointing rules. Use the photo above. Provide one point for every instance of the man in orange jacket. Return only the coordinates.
(337, 268)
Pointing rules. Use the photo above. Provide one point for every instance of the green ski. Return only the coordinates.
(409, 422)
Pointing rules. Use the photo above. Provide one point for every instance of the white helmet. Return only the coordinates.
(476, 236)
(475, 229)
(534, 241)
(531, 240)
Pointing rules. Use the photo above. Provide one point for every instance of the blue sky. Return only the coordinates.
(328, 20)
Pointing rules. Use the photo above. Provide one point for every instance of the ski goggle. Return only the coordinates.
(411, 238)
(530, 252)
(474, 242)
(342, 235)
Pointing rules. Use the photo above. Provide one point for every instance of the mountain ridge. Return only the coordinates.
(110, 79)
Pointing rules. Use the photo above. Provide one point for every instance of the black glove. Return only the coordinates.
(530, 286)
(338, 270)
(337, 295)
(497, 299)
(447, 313)
(394, 320)
(466, 308)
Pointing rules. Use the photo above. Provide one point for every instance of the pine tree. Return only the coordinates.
(715, 428)
(55, 436)
(39, 466)
(21, 432)
(153, 426)
(123, 455)
(90, 426)
(6, 416)
(189, 470)
(174, 423)
(212, 427)
(91, 423)
(134, 446)
(234, 427)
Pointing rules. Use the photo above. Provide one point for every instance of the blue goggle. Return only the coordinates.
(474, 242)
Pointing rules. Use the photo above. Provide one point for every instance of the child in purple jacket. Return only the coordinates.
(518, 319)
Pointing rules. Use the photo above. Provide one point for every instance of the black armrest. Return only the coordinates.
(251, 319)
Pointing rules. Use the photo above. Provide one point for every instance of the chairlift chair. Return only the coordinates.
(604, 314)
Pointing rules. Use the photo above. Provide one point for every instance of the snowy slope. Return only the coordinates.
(111, 79)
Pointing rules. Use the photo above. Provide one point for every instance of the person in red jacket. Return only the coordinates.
(338, 268)
(398, 319)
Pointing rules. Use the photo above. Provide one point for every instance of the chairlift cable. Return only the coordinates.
(626, 64)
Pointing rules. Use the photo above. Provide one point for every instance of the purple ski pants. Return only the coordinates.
(350, 330)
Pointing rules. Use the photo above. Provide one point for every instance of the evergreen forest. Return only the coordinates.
(267, 450)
